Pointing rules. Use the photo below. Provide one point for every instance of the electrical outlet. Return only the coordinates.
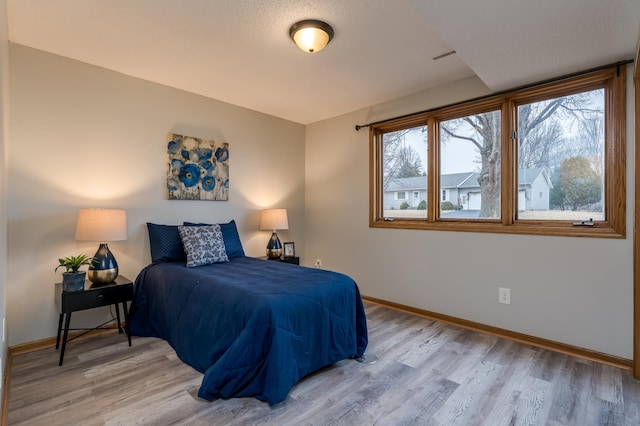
(504, 295)
(318, 263)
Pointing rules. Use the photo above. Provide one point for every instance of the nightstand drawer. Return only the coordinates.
(108, 295)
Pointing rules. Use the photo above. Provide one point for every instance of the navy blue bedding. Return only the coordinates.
(254, 327)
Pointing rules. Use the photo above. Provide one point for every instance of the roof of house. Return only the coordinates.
(407, 184)
(453, 180)
(463, 180)
(456, 180)
(528, 176)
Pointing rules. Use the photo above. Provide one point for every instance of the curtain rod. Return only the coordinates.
(502, 92)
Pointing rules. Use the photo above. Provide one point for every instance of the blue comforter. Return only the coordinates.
(253, 327)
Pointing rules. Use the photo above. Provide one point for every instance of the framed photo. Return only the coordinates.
(289, 249)
(198, 169)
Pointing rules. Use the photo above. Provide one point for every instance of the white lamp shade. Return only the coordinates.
(101, 225)
(272, 219)
(311, 39)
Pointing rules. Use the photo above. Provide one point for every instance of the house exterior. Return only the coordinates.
(412, 190)
(534, 186)
(462, 189)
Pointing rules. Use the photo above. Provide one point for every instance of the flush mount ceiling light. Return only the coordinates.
(311, 35)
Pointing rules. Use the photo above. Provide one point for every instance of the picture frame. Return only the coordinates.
(289, 249)
(197, 169)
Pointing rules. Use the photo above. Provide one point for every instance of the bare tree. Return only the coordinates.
(483, 131)
(535, 140)
(410, 163)
(396, 153)
(588, 143)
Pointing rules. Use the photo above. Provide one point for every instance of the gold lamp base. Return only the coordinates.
(274, 247)
(274, 253)
(104, 268)
(102, 276)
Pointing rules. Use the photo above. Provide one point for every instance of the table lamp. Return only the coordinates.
(271, 220)
(102, 225)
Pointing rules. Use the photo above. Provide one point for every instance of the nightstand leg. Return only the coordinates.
(118, 319)
(64, 339)
(59, 329)
(126, 321)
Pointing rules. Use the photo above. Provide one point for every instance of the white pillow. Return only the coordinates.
(203, 245)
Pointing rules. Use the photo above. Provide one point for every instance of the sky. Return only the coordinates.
(457, 156)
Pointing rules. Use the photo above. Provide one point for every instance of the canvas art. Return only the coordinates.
(197, 169)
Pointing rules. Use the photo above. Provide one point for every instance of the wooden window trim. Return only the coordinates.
(614, 225)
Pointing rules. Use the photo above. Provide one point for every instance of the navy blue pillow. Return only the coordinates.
(232, 243)
(165, 242)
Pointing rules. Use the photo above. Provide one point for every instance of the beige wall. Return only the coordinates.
(573, 290)
(83, 136)
(4, 101)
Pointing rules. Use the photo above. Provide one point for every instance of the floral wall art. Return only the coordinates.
(197, 169)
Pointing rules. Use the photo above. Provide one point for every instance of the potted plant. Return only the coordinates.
(73, 277)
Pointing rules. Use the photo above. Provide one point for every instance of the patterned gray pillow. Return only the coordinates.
(203, 245)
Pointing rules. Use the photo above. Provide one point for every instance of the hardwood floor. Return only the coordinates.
(428, 373)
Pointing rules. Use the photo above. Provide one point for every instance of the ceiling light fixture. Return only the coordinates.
(311, 35)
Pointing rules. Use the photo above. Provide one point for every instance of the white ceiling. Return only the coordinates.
(239, 51)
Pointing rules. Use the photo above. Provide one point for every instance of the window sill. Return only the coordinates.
(549, 228)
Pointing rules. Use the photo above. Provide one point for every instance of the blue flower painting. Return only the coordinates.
(197, 169)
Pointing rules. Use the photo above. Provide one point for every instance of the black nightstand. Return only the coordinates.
(93, 296)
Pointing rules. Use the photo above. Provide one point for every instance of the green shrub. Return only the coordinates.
(446, 205)
(404, 205)
(422, 205)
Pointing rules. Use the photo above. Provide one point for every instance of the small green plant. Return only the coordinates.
(422, 205)
(446, 205)
(404, 205)
(73, 263)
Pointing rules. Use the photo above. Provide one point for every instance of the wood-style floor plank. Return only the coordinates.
(428, 373)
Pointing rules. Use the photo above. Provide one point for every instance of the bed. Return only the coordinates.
(253, 327)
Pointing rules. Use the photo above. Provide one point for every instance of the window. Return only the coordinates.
(549, 159)
(470, 161)
(563, 156)
(404, 166)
